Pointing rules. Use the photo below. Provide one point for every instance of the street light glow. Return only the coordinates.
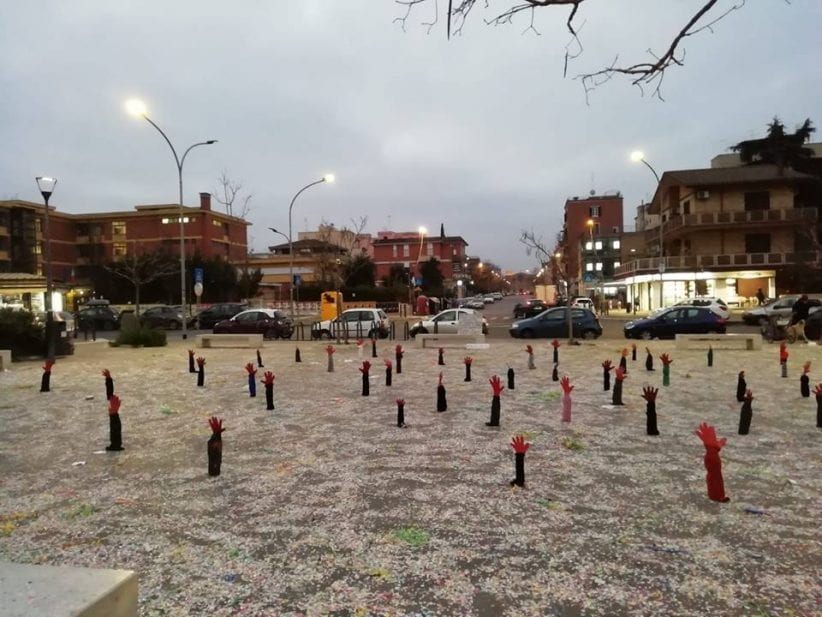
(590, 222)
(637, 156)
(329, 178)
(137, 108)
(422, 230)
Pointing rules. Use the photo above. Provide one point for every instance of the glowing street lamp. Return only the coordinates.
(138, 109)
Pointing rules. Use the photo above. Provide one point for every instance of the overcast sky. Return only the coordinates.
(481, 133)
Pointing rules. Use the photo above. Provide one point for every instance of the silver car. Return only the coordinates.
(445, 322)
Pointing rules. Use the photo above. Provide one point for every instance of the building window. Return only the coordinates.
(617, 264)
(406, 250)
(118, 228)
(757, 243)
(593, 211)
(589, 246)
(616, 244)
(589, 267)
(394, 250)
(757, 200)
(430, 248)
(598, 266)
(119, 249)
(165, 221)
(598, 245)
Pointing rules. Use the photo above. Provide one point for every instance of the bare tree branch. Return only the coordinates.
(642, 74)
(140, 268)
(228, 193)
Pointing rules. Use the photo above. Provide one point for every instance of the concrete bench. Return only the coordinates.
(229, 340)
(5, 359)
(50, 591)
(748, 342)
(448, 340)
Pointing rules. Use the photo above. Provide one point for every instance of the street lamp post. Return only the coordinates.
(138, 108)
(46, 186)
(329, 178)
(277, 231)
(637, 157)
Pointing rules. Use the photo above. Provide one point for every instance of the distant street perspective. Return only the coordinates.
(411, 309)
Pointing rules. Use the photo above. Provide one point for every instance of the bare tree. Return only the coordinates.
(347, 239)
(536, 246)
(141, 268)
(642, 74)
(229, 196)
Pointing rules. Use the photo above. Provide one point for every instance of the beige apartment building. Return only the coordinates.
(725, 231)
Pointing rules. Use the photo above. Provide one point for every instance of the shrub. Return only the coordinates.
(20, 333)
(140, 336)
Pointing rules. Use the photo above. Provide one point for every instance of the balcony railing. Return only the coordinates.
(784, 216)
(691, 263)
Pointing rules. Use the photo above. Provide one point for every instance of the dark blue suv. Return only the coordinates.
(553, 323)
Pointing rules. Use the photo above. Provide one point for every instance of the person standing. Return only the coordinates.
(760, 296)
(801, 308)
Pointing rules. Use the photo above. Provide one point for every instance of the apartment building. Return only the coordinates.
(410, 249)
(82, 241)
(723, 231)
(591, 239)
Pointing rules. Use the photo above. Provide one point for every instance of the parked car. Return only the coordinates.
(98, 317)
(164, 317)
(445, 322)
(474, 303)
(783, 307)
(208, 318)
(717, 305)
(489, 299)
(530, 308)
(553, 323)
(65, 316)
(497, 295)
(583, 302)
(268, 322)
(813, 326)
(676, 320)
(354, 323)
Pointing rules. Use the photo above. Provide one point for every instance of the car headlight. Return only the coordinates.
(515, 325)
(629, 325)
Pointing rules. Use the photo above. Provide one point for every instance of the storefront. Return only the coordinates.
(28, 291)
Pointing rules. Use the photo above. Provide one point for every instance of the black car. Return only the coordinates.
(673, 321)
(270, 323)
(209, 317)
(99, 317)
(553, 323)
(164, 317)
(531, 308)
(813, 326)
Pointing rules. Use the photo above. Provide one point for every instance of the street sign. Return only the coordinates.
(198, 289)
(589, 277)
(297, 280)
(198, 275)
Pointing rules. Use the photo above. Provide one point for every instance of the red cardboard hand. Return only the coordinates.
(519, 444)
(366, 366)
(666, 359)
(250, 368)
(114, 405)
(496, 385)
(619, 374)
(268, 378)
(566, 385)
(649, 393)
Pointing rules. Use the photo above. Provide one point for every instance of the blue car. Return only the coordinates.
(553, 323)
(678, 320)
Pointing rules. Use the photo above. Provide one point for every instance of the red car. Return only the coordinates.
(270, 323)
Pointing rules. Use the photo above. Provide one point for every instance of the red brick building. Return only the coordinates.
(605, 215)
(79, 240)
(408, 249)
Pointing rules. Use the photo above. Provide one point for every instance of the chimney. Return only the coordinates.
(205, 201)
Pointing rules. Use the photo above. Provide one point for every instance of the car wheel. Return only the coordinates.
(763, 321)
(325, 334)
(108, 325)
(645, 335)
(527, 333)
(174, 325)
(589, 335)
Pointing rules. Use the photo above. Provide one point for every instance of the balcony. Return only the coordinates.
(685, 223)
(735, 261)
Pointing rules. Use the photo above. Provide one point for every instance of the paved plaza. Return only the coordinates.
(324, 507)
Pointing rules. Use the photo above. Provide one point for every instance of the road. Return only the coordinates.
(500, 316)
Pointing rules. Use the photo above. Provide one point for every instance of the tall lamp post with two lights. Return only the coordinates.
(638, 156)
(327, 178)
(138, 109)
(46, 186)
